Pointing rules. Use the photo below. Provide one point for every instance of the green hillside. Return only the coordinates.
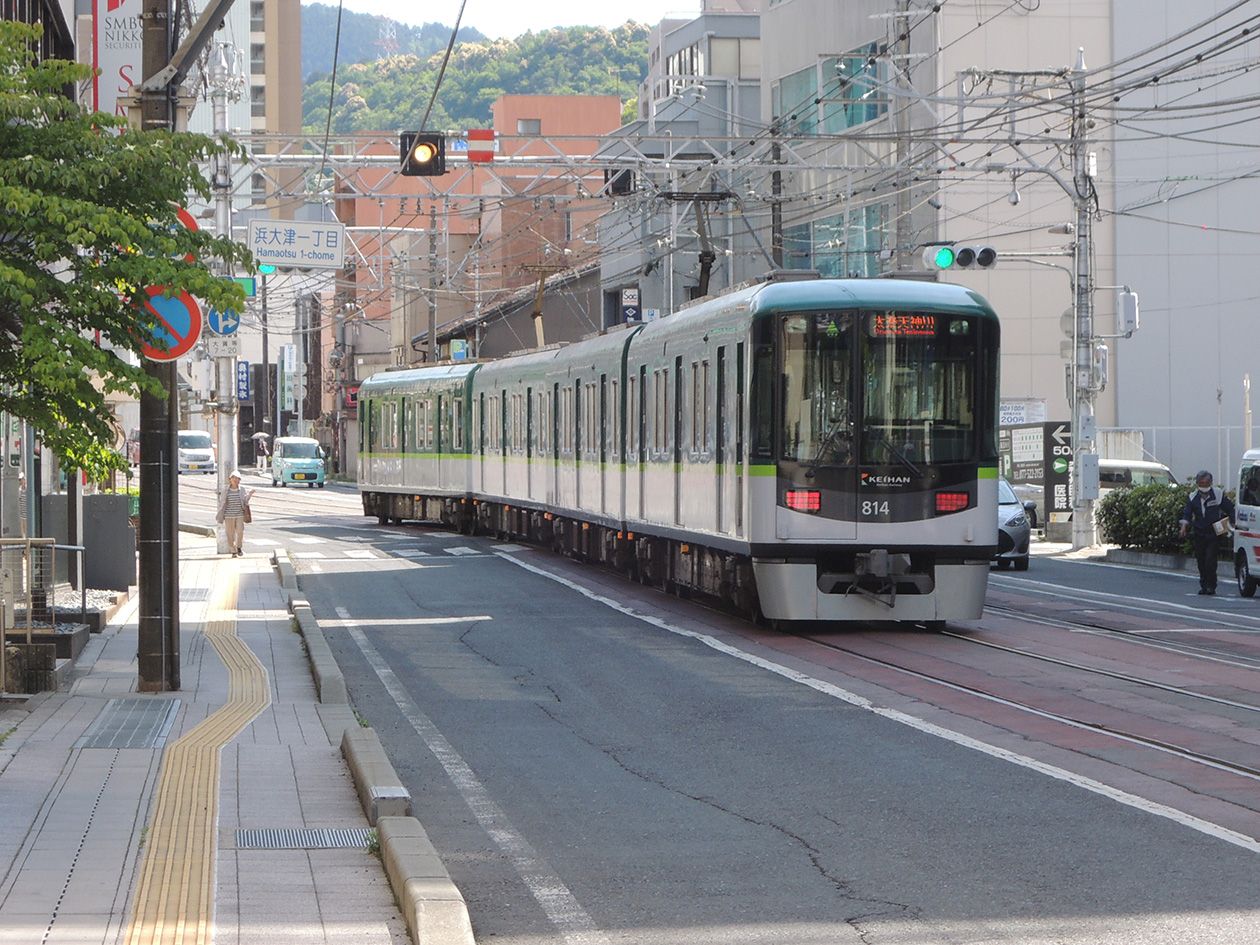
(360, 38)
(393, 93)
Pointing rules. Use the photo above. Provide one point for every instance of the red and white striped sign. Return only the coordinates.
(481, 145)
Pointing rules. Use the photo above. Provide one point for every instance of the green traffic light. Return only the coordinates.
(266, 269)
(943, 258)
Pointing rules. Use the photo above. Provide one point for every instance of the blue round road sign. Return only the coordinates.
(177, 323)
(223, 322)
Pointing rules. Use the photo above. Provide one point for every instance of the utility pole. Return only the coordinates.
(434, 347)
(901, 114)
(158, 541)
(223, 81)
(1085, 459)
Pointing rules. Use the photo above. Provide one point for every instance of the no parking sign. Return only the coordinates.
(177, 323)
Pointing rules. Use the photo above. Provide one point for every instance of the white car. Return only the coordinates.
(196, 451)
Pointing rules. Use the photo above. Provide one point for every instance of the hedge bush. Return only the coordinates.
(1146, 518)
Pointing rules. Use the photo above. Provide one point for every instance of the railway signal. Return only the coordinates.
(422, 153)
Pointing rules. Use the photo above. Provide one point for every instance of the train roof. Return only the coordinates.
(866, 293)
(442, 373)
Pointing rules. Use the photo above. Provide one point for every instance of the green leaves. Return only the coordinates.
(88, 217)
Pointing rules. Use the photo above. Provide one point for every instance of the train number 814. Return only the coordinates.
(872, 507)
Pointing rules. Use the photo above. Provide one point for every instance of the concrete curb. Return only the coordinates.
(285, 571)
(434, 909)
(329, 682)
(1163, 562)
(431, 903)
(206, 531)
(381, 791)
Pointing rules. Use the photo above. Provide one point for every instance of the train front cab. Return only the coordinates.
(874, 453)
(413, 444)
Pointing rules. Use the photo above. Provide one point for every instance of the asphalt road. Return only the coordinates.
(590, 776)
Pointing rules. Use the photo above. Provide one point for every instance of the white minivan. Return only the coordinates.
(196, 451)
(1112, 474)
(1247, 524)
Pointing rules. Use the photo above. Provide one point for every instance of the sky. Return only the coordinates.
(511, 18)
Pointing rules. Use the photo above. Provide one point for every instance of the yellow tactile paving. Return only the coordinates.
(174, 899)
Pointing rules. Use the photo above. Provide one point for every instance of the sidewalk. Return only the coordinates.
(221, 813)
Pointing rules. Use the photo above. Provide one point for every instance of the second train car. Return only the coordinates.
(808, 450)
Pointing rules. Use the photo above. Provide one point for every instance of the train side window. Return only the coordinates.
(762, 406)
(614, 413)
(479, 423)
(501, 428)
(457, 418)
(659, 416)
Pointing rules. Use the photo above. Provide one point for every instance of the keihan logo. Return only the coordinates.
(869, 480)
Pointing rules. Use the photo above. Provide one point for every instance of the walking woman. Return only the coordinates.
(234, 512)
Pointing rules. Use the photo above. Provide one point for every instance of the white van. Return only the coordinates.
(196, 451)
(1130, 473)
(1112, 474)
(1247, 523)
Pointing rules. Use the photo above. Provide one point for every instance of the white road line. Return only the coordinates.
(1061, 774)
(557, 902)
(405, 621)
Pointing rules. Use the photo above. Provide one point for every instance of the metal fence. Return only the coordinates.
(31, 603)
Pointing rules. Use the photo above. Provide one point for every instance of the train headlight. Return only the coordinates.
(952, 501)
(803, 500)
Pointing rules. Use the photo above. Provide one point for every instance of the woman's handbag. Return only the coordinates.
(247, 517)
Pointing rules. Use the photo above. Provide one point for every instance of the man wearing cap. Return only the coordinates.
(1205, 507)
(233, 510)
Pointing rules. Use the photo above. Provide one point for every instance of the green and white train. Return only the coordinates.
(804, 449)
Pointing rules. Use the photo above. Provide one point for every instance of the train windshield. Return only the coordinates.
(879, 388)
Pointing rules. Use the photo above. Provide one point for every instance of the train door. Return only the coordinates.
(501, 434)
(578, 444)
(740, 427)
(720, 450)
(438, 465)
(556, 413)
(479, 431)
(640, 437)
(455, 468)
(529, 441)
(678, 439)
(603, 442)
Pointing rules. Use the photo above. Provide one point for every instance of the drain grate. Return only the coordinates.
(193, 594)
(131, 723)
(302, 839)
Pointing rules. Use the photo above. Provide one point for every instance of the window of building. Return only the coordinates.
(834, 94)
(735, 58)
(257, 58)
(529, 126)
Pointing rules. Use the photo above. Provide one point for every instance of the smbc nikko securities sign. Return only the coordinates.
(293, 244)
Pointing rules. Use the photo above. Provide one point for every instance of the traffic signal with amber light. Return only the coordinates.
(423, 153)
(960, 257)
